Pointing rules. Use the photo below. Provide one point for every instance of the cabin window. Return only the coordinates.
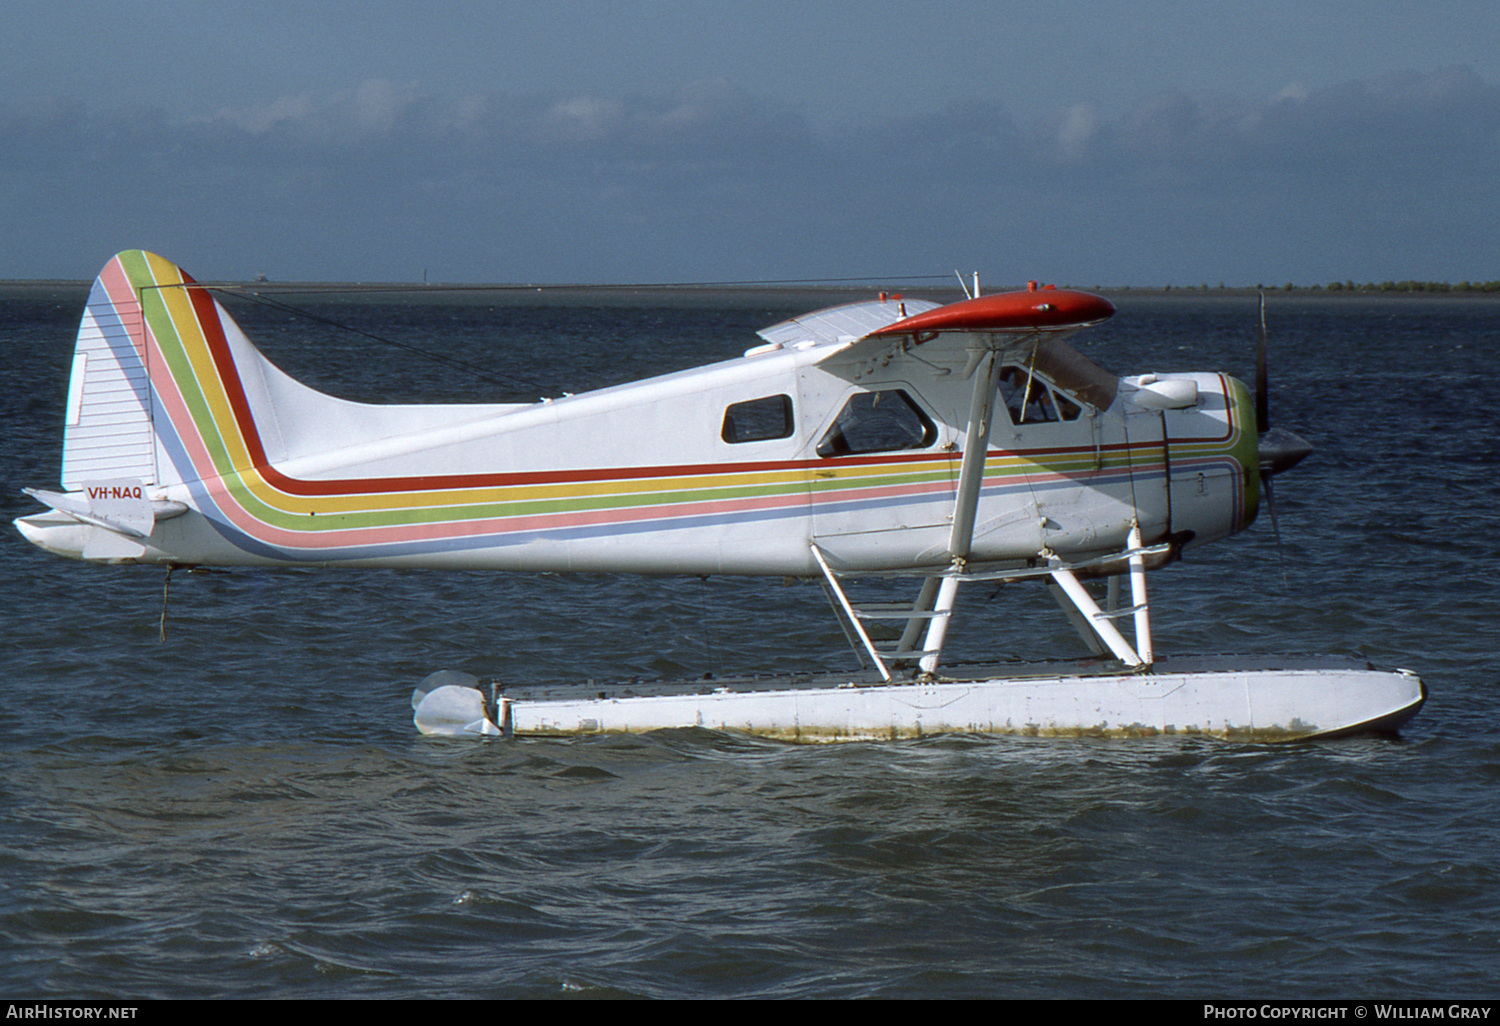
(878, 422)
(1067, 407)
(758, 420)
(1029, 400)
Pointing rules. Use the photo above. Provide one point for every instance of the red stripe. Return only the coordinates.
(206, 312)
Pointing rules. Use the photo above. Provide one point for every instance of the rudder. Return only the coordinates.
(107, 434)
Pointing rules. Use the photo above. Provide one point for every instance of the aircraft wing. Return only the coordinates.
(1014, 313)
(844, 323)
(1009, 320)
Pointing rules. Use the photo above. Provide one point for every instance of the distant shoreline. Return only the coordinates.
(74, 290)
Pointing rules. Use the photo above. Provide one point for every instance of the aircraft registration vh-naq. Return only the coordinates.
(947, 444)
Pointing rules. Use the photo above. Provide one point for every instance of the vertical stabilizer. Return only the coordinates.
(165, 391)
(165, 386)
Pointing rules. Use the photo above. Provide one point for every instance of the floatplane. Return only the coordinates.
(948, 444)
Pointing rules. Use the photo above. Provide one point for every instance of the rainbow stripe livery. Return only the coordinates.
(246, 466)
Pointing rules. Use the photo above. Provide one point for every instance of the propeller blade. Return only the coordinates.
(1275, 525)
(1262, 399)
(1277, 448)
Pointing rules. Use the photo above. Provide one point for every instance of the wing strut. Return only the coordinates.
(965, 503)
(934, 604)
(1096, 625)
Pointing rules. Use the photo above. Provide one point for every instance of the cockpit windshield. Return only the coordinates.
(1074, 373)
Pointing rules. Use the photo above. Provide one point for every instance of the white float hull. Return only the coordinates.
(1222, 698)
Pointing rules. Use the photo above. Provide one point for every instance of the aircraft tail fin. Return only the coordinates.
(156, 395)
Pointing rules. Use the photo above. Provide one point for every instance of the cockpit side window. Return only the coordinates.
(1067, 407)
(1030, 400)
(1025, 397)
(878, 422)
(758, 420)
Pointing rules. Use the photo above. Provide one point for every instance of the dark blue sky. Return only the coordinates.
(1087, 143)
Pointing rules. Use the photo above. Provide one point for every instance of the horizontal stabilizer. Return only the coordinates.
(117, 506)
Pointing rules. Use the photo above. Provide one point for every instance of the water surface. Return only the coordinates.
(246, 810)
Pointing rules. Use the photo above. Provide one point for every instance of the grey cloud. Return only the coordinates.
(710, 180)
